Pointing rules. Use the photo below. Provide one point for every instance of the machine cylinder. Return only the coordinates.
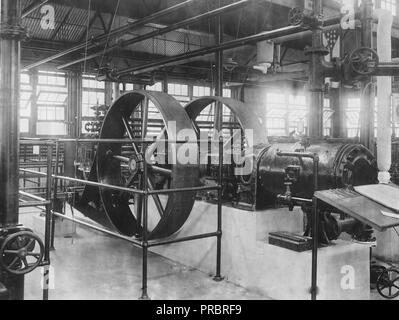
(340, 165)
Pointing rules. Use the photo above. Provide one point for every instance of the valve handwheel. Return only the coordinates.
(364, 61)
(295, 16)
(21, 253)
(388, 284)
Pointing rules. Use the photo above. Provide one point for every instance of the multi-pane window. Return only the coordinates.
(93, 95)
(125, 87)
(276, 114)
(353, 117)
(180, 92)
(25, 109)
(155, 120)
(200, 91)
(52, 93)
(390, 5)
(206, 119)
(297, 114)
(156, 87)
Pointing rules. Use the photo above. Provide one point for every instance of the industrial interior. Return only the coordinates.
(199, 150)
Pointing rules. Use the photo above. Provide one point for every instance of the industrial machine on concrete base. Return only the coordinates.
(282, 175)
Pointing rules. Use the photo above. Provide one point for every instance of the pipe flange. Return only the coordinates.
(12, 32)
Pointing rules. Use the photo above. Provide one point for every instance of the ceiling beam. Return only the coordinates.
(159, 32)
(115, 32)
(186, 57)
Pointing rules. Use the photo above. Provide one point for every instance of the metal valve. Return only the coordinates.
(364, 61)
(21, 252)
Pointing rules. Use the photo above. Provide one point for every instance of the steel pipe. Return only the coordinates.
(90, 183)
(159, 32)
(267, 35)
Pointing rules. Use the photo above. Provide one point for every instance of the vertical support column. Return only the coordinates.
(117, 91)
(108, 93)
(367, 87)
(219, 76)
(34, 78)
(316, 77)
(165, 83)
(11, 34)
(338, 121)
(384, 86)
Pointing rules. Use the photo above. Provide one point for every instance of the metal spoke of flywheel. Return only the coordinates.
(130, 133)
(121, 158)
(157, 201)
(160, 170)
(144, 117)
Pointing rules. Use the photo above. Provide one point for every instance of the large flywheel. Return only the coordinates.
(239, 120)
(131, 117)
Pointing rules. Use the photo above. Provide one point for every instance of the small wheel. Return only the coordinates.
(388, 284)
(364, 61)
(21, 253)
(295, 16)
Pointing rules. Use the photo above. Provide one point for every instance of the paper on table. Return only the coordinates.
(390, 214)
(383, 194)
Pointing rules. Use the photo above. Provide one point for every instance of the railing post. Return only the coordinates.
(218, 277)
(144, 293)
(48, 219)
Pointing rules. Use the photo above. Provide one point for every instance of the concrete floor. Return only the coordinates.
(93, 266)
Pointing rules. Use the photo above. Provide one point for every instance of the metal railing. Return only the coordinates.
(144, 243)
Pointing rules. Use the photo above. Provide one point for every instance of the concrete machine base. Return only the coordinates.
(249, 261)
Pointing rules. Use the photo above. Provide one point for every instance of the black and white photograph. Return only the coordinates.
(194, 156)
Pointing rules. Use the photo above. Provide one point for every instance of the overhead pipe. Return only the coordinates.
(116, 32)
(159, 32)
(289, 31)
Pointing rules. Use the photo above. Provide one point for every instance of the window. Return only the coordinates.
(156, 87)
(353, 117)
(52, 94)
(180, 92)
(389, 5)
(276, 112)
(297, 114)
(25, 109)
(227, 93)
(199, 91)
